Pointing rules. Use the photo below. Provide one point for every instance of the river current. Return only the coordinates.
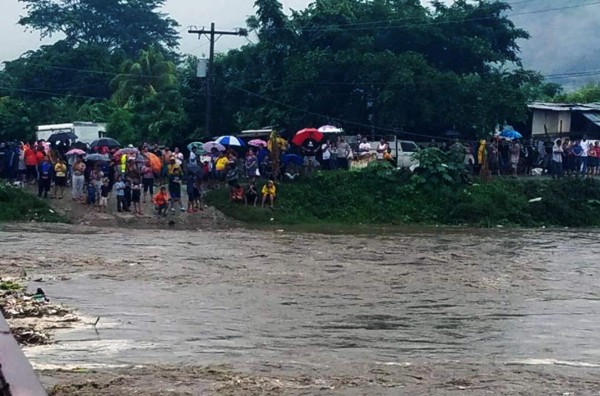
(302, 304)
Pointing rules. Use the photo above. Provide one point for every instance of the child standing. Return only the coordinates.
(104, 191)
(120, 193)
(91, 194)
(136, 195)
(175, 188)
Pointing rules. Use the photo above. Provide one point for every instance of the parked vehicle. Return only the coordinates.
(86, 132)
(402, 152)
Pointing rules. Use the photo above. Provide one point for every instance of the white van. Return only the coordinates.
(402, 151)
(86, 132)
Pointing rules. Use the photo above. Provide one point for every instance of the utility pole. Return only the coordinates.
(213, 35)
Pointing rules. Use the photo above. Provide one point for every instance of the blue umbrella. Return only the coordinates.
(293, 158)
(511, 134)
(230, 141)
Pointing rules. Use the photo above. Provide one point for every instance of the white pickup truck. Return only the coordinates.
(401, 151)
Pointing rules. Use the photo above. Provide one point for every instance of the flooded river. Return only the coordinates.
(407, 312)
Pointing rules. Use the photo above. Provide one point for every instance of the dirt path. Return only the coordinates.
(77, 213)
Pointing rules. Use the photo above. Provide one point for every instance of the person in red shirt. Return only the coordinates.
(30, 162)
(161, 201)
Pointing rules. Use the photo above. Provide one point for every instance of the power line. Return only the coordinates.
(433, 23)
(326, 117)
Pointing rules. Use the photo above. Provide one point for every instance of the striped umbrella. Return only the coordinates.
(230, 141)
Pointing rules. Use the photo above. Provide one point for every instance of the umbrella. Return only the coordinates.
(97, 157)
(293, 158)
(330, 129)
(140, 159)
(126, 151)
(305, 134)
(79, 145)
(208, 146)
(230, 141)
(511, 134)
(257, 143)
(155, 162)
(61, 137)
(197, 145)
(108, 142)
(75, 152)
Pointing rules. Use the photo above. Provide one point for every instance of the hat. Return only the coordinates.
(130, 146)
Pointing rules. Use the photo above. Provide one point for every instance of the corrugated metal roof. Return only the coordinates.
(593, 117)
(564, 106)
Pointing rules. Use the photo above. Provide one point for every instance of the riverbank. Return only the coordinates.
(18, 204)
(389, 197)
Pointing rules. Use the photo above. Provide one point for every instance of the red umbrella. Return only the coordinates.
(305, 134)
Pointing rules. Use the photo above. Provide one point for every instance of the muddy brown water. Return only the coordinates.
(496, 310)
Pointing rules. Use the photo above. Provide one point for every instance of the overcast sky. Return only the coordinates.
(226, 14)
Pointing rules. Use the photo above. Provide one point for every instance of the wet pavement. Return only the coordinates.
(416, 311)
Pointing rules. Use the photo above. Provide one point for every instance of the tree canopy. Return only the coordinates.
(130, 26)
(391, 65)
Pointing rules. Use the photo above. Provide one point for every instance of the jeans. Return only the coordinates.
(121, 204)
(78, 182)
(584, 165)
(557, 169)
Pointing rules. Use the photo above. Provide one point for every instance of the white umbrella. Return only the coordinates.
(208, 146)
(230, 141)
(330, 129)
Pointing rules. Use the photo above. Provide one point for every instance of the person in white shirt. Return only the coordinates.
(382, 148)
(326, 153)
(178, 156)
(557, 159)
(364, 148)
(585, 146)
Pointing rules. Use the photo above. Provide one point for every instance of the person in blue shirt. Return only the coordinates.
(120, 193)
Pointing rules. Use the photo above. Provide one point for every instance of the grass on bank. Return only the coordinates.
(381, 196)
(16, 204)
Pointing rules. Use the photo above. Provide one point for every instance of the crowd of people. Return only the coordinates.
(558, 157)
(126, 178)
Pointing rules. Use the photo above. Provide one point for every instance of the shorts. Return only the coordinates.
(232, 183)
(175, 194)
(60, 181)
(196, 193)
(592, 162)
(136, 196)
(103, 201)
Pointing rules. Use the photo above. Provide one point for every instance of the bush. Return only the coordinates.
(380, 194)
(18, 205)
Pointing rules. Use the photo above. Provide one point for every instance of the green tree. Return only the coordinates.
(138, 79)
(113, 24)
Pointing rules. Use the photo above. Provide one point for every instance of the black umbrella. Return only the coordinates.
(106, 142)
(80, 146)
(61, 137)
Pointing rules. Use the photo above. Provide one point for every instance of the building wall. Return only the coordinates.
(552, 121)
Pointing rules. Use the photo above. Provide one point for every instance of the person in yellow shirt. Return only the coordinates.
(268, 192)
(221, 166)
(60, 178)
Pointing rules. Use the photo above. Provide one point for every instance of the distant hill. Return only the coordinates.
(564, 39)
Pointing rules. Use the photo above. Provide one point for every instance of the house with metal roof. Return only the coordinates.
(565, 119)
